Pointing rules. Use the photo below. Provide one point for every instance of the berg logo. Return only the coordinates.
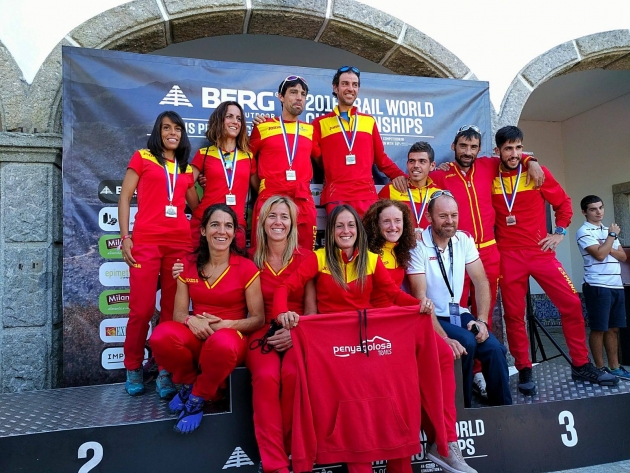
(377, 344)
(176, 98)
(109, 247)
(114, 302)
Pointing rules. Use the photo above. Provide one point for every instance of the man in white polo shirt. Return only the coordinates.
(438, 264)
(602, 286)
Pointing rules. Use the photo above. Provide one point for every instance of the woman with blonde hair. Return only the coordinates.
(270, 358)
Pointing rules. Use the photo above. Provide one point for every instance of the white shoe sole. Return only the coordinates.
(440, 462)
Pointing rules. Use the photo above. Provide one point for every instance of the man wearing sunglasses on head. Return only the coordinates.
(469, 178)
(283, 159)
(346, 143)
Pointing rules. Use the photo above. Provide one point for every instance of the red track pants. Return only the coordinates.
(204, 363)
(273, 388)
(306, 220)
(516, 267)
(152, 262)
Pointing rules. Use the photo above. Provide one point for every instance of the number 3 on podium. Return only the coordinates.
(570, 439)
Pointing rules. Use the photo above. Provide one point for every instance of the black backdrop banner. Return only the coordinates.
(110, 101)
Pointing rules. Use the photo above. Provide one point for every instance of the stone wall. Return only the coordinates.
(30, 261)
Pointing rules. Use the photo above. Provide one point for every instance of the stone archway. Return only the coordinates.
(147, 25)
(607, 50)
(12, 93)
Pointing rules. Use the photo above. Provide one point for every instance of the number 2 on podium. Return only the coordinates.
(95, 460)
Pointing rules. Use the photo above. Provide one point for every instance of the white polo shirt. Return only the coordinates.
(605, 273)
(424, 261)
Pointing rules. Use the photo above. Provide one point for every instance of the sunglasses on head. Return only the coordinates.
(291, 79)
(437, 194)
(469, 127)
(343, 69)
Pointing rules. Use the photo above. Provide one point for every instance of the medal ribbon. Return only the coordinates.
(290, 155)
(229, 180)
(413, 204)
(349, 142)
(510, 203)
(170, 187)
(442, 268)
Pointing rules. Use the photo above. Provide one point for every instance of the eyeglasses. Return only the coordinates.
(469, 127)
(437, 194)
(343, 69)
(291, 79)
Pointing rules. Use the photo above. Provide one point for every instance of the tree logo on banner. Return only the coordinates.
(176, 98)
(238, 459)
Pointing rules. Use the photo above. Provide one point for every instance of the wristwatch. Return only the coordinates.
(560, 231)
(613, 234)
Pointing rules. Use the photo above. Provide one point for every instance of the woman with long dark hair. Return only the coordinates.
(161, 235)
(272, 360)
(202, 349)
(226, 164)
(391, 234)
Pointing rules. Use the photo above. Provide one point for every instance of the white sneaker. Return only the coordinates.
(479, 386)
(454, 463)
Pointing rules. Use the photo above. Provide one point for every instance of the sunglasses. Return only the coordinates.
(469, 127)
(291, 79)
(437, 194)
(343, 69)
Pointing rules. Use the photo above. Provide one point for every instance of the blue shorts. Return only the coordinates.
(605, 306)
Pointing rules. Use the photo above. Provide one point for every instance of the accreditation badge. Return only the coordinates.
(170, 211)
(291, 175)
(510, 220)
(351, 159)
(230, 199)
(453, 312)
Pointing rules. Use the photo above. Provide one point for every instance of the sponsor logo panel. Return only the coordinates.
(109, 247)
(115, 330)
(114, 274)
(108, 219)
(114, 302)
(114, 358)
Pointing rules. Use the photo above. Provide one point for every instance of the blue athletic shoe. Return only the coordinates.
(620, 372)
(178, 403)
(164, 385)
(190, 418)
(134, 385)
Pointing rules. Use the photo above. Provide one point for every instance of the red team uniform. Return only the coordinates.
(349, 180)
(208, 161)
(416, 199)
(521, 257)
(158, 241)
(268, 146)
(447, 365)
(273, 375)
(184, 355)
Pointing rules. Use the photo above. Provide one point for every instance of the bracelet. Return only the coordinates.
(186, 320)
(445, 337)
(483, 322)
(125, 237)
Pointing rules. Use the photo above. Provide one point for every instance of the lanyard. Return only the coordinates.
(413, 204)
(290, 155)
(349, 142)
(442, 268)
(510, 203)
(170, 187)
(229, 179)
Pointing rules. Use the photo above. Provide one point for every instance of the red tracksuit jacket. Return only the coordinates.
(350, 407)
